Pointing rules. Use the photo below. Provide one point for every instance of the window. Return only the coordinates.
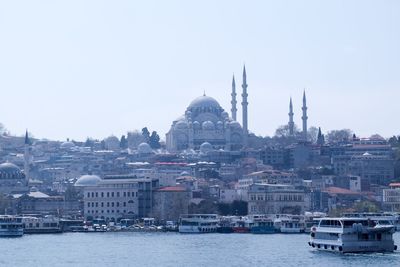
(117, 194)
(129, 194)
(108, 194)
(112, 194)
(97, 194)
(88, 194)
(117, 204)
(124, 194)
(102, 194)
(102, 204)
(92, 194)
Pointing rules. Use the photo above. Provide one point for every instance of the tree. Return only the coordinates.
(154, 140)
(312, 134)
(123, 142)
(337, 136)
(146, 134)
(284, 131)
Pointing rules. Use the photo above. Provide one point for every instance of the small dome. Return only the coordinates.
(220, 125)
(205, 148)
(10, 171)
(144, 148)
(235, 125)
(208, 125)
(204, 102)
(67, 145)
(88, 180)
(112, 138)
(196, 125)
(181, 125)
(112, 143)
(225, 115)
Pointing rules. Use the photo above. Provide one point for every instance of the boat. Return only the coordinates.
(262, 224)
(293, 224)
(11, 226)
(225, 225)
(41, 225)
(242, 225)
(382, 217)
(198, 223)
(352, 235)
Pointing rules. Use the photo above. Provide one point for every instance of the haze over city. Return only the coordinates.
(95, 68)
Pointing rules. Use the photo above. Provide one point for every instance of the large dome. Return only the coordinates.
(144, 148)
(10, 171)
(204, 102)
(88, 180)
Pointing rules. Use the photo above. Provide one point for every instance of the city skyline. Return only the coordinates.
(117, 68)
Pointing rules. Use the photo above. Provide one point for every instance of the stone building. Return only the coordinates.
(170, 202)
(276, 199)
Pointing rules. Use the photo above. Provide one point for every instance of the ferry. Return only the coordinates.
(262, 224)
(241, 225)
(382, 217)
(11, 226)
(352, 235)
(292, 224)
(198, 223)
(41, 225)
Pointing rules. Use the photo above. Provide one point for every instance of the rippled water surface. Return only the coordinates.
(173, 249)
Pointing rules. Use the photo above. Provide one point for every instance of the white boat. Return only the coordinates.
(41, 225)
(290, 224)
(352, 235)
(198, 223)
(10, 226)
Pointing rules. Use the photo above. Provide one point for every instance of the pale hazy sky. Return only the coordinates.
(95, 68)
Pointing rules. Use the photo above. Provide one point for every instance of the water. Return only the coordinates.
(173, 249)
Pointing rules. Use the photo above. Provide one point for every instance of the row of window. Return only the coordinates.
(278, 198)
(111, 194)
(104, 211)
(108, 204)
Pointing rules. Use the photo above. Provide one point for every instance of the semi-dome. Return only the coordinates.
(235, 124)
(181, 125)
(144, 148)
(208, 125)
(205, 147)
(204, 102)
(88, 180)
(10, 171)
(196, 125)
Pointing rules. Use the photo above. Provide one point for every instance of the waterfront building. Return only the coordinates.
(170, 202)
(116, 196)
(276, 199)
(391, 197)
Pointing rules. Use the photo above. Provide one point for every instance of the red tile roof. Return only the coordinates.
(339, 191)
(172, 189)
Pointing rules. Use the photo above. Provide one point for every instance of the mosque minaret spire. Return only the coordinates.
(304, 117)
(291, 122)
(233, 101)
(244, 105)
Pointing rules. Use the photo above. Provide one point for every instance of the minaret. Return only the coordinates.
(304, 118)
(291, 123)
(233, 101)
(244, 106)
(26, 157)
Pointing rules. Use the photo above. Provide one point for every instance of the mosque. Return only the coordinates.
(206, 124)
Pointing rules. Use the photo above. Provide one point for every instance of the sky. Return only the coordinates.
(78, 69)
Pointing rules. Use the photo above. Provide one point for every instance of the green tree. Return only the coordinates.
(146, 134)
(154, 140)
(123, 142)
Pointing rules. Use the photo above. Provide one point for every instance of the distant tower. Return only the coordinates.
(291, 123)
(26, 156)
(320, 138)
(304, 118)
(244, 106)
(233, 102)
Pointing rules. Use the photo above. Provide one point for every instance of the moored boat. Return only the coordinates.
(198, 223)
(11, 226)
